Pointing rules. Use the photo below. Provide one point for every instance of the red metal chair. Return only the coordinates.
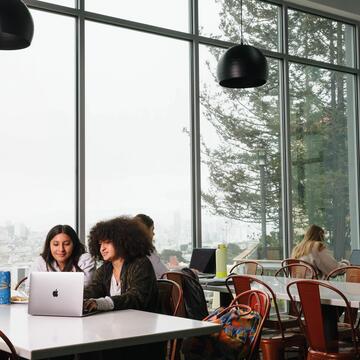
(299, 271)
(5, 355)
(319, 346)
(274, 341)
(258, 301)
(349, 273)
(291, 261)
(248, 267)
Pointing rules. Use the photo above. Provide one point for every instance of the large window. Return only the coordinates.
(220, 19)
(137, 140)
(323, 154)
(172, 14)
(158, 135)
(37, 144)
(318, 38)
(241, 192)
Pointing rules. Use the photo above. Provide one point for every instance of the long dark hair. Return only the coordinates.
(78, 248)
(128, 236)
(149, 223)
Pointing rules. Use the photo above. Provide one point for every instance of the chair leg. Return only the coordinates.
(272, 350)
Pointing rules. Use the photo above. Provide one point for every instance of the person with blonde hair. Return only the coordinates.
(313, 250)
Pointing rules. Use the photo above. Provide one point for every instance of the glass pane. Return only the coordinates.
(241, 193)
(38, 139)
(323, 155)
(172, 14)
(137, 140)
(317, 38)
(68, 3)
(220, 19)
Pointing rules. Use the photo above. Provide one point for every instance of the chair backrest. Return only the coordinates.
(299, 271)
(12, 355)
(247, 267)
(291, 261)
(170, 295)
(351, 273)
(258, 301)
(194, 304)
(242, 283)
(20, 282)
(310, 307)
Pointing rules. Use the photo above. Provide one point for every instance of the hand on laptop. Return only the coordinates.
(90, 305)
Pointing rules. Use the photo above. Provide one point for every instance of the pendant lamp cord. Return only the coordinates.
(241, 23)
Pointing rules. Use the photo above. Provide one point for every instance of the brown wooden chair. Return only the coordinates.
(291, 261)
(299, 271)
(171, 297)
(320, 346)
(247, 267)
(275, 339)
(21, 281)
(12, 355)
(186, 283)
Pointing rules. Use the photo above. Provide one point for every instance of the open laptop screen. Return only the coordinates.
(355, 257)
(203, 260)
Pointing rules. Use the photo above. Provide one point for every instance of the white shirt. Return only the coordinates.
(86, 263)
(159, 267)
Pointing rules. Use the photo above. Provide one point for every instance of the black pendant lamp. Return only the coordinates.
(242, 66)
(16, 25)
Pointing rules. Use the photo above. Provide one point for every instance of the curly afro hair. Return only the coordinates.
(128, 236)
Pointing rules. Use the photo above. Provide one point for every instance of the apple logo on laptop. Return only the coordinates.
(55, 293)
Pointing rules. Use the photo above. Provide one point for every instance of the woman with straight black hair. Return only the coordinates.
(63, 251)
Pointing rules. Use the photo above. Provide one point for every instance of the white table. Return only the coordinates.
(278, 285)
(38, 337)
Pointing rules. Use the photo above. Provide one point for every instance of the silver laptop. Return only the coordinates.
(56, 294)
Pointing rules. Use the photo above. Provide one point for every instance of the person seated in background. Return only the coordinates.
(63, 251)
(125, 280)
(159, 267)
(313, 250)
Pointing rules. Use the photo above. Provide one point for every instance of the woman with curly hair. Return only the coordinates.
(126, 279)
(63, 251)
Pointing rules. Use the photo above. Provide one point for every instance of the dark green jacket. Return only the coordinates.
(138, 286)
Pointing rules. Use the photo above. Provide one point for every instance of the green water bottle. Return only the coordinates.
(221, 260)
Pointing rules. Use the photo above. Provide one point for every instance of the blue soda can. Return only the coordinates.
(5, 287)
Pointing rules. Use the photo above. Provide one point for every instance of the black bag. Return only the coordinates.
(194, 298)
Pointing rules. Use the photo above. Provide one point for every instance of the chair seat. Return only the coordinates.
(287, 321)
(345, 352)
(268, 334)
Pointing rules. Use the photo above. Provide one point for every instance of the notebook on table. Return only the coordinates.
(57, 294)
(203, 260)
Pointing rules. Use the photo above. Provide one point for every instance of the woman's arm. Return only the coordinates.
(325, 262)
(159, 267)
(97, 287)
(88, 266)
(140, 287)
